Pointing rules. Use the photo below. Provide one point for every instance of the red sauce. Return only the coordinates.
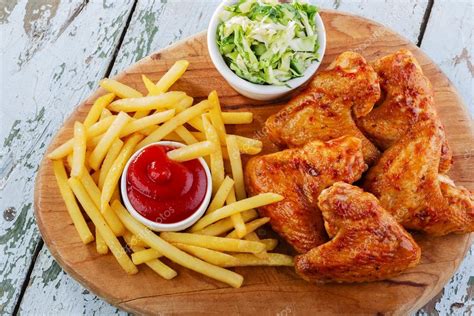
(163, 190)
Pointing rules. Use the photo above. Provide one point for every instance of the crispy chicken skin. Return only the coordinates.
(300, 174)
(407, 182)
(367, 243)
(407, 99)
(324, 111)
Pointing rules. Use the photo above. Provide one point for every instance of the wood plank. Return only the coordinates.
(402, 16)
(157, 24)
(53, 54)
(448, 40)
(68, 296)
(147, 293)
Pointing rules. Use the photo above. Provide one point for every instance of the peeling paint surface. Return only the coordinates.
(44, 49)
(55, 52)
(452, 48)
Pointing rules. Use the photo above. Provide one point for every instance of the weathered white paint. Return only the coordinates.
(449, 41)
(403, 16)
(52, 55)
(53, 292)
(155, 25)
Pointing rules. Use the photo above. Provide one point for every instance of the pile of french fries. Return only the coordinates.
(89, 165)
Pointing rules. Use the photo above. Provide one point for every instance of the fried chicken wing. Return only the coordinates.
(407, 99)
(300, 174)
(348, 87)
(367, 243)
(407, 182)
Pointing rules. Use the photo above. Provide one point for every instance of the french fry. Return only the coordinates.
(237, 117)
(95, 130)
(172, 124)
(173, 137)
(186, 135)
(79, 150)
(236, 166)
(215, 114)
(112, 242)
(213, 257)
(273, 259)
(69, 161)
(115, 171)
(95, 176)
(196, 122)
(221, 195)
(156, 265)
(249, 146)
(172, 75)
(109, 160)
(191, 151)
(100, 127)
(150, 86)
(200, 136)
(147, 121)
(182, 105)
(62, 151)
(238, 176)
(120, 89)
(145, 255)
(134, 240)
(96, 109)
(252, 236)
(147, 103)
(173, 253)
(270, 244)
(150, 129)
(93, 142)
(212, 242)
(217, 162)
(104, 114)
(237, 207)
(109, 215)
(107, 139)
(71, 204)
(250, 227)
(236, 219)
(162, 269)
(226, 224)
(115, 195)
(100, 244)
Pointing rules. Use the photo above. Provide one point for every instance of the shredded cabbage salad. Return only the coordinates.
(268, 42)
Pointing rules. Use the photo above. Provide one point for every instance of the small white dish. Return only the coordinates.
(166, 227)
(249, 89)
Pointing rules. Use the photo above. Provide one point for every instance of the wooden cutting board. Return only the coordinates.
(266, 290)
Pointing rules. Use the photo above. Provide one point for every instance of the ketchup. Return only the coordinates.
(163, 190)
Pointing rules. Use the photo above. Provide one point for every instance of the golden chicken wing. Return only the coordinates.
(300, 174)
(407, 182)
(367, 243)
(407, 97)
(324, 111)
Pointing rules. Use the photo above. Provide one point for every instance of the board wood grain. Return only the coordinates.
(266, 290)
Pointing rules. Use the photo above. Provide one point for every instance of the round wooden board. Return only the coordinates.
(266, 290)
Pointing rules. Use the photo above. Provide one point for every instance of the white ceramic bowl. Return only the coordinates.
(249, 89)
(182, 225)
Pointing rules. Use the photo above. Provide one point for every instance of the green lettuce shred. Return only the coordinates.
(268, 42)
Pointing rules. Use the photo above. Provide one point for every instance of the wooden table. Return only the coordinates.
(53, 53)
